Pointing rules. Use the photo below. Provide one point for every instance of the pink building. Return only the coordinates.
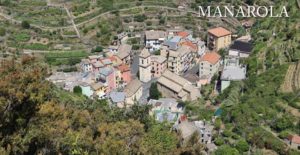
(107, 76)
(158, 65)
(125, 73)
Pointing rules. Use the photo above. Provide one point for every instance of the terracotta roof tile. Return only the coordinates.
(294, 139)
(211, 57)
(113, 58)
(191, 45)
(183, 34)
(219, 32)
(123, 68)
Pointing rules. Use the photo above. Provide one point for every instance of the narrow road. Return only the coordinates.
(72, 20)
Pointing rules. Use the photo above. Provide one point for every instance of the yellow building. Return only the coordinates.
(218, 38)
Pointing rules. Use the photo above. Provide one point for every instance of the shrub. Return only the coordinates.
(97, 49)
(219, 141)
(242, 146)
(25, 24)
(77, 90)
(2, 31)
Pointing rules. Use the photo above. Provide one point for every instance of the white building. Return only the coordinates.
(86, 65)
(154, 39)
(232, 72)
(145, 66)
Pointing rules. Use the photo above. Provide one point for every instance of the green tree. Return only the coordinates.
(158, 140)
(226, 150)
(154, 92)
(77, 90)
(219, 141)
(25, 24)
(283, 123)
(140, 18)
(2, 31)
(242, 146)
(97, 49)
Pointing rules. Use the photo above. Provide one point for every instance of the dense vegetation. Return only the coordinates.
(254, 109)
(37, 117)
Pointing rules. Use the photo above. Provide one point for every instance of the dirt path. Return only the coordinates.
(72, 20)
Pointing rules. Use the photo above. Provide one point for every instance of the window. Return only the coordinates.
(210, 65)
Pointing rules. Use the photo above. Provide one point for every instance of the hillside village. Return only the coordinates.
(176, 62)
(147, 77)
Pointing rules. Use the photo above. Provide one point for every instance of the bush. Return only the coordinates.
(140, 18)
(2, 31)
(284, 134)
(227, 133)
(97, 49)
(25, 24)
(226, 150)
(154, 92)
(77, 90)
(219, 141)
(242, 146)
(283, 123)
(157, 52)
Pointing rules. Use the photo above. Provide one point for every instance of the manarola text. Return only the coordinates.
(243, 11)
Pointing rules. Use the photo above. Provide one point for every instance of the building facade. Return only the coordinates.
(154, 39)
(218, 38)
(145, 65)
(180, 60)
(209, 64)
(158, 65)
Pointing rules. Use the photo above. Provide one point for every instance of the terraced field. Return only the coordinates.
(297, 78)
(292, 79)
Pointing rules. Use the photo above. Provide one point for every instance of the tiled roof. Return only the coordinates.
(124, 51)
(294, 139)
(97, 86)
(145, 53)
(211, 57)
(85, 61)
(153, 35)
(117, 96)
(183, 34)
(98, 64)
(123, 68)
(158, 58)
(132, 87)
(193, 46)
(106, 61)
(113, 58)
(94, 57)
(106, 71)
(219, 32)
